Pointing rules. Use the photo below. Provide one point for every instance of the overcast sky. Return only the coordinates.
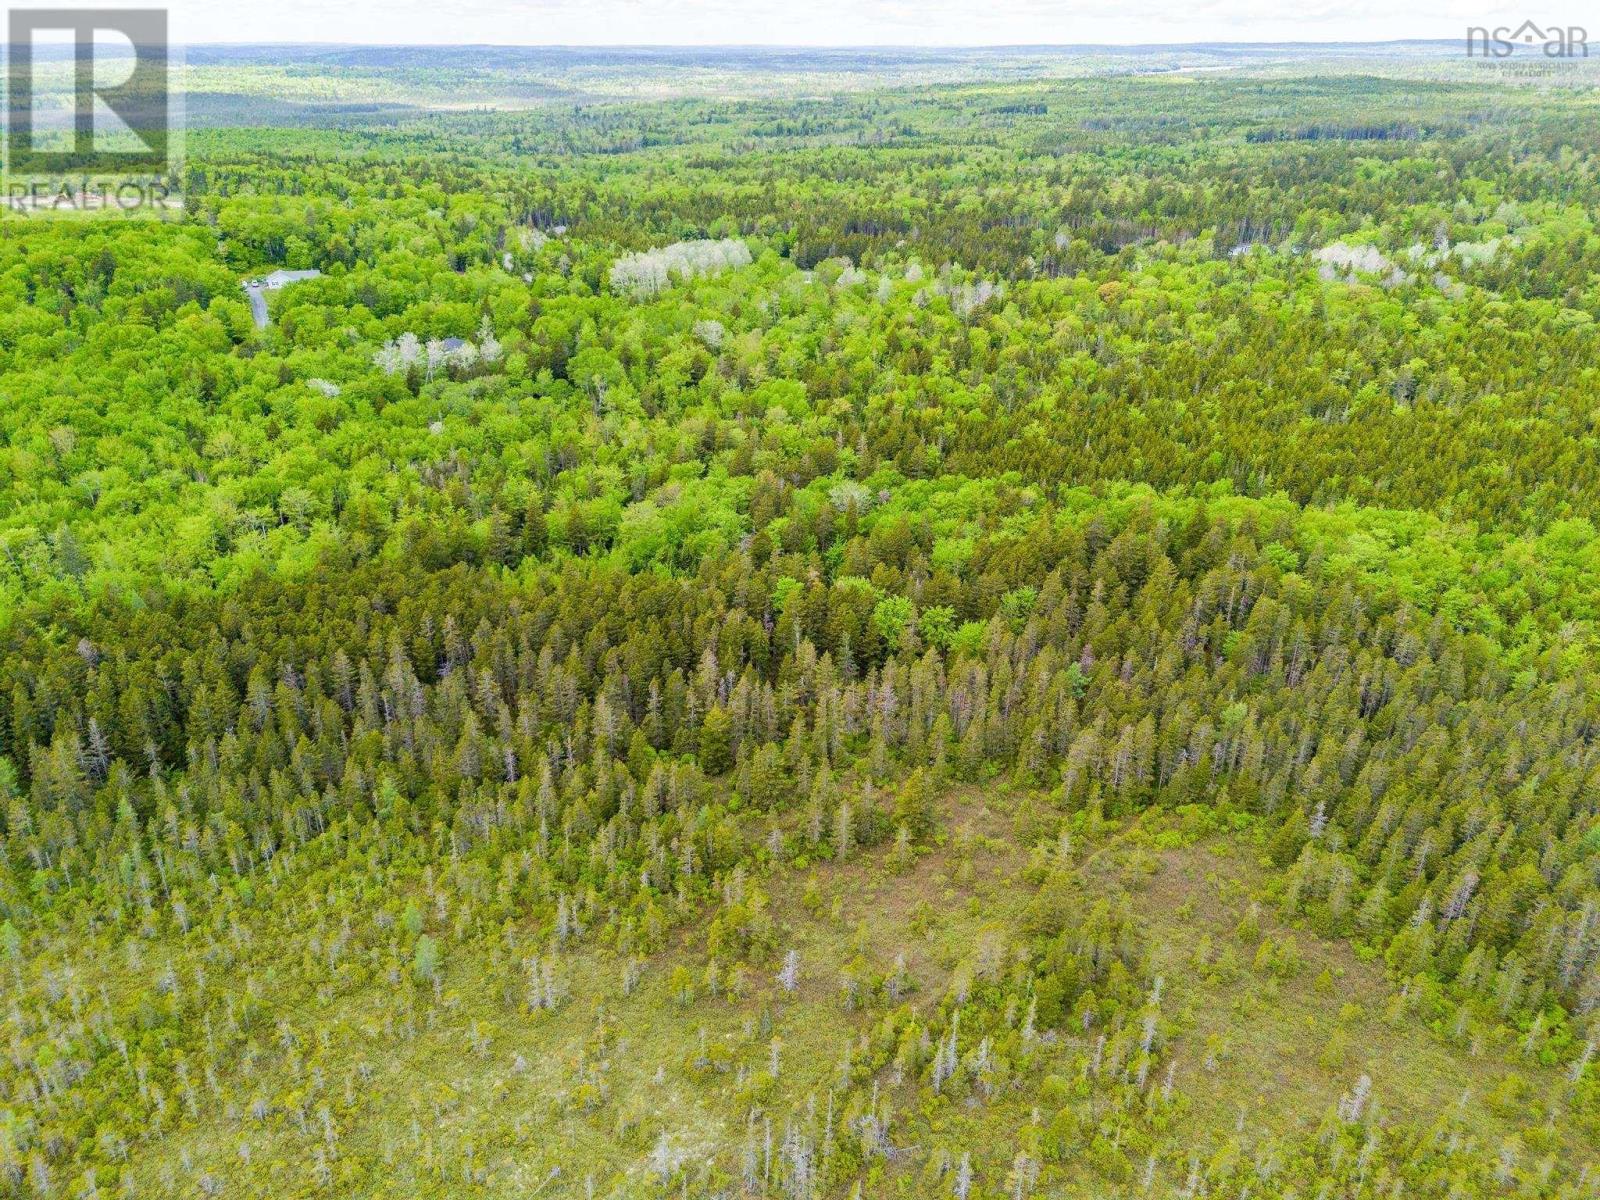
(850, 22)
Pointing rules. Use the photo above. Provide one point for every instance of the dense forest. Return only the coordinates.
(1012, 639)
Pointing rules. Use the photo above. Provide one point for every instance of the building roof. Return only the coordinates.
(279, 278)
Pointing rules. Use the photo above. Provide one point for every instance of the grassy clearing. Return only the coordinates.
(474, 1088)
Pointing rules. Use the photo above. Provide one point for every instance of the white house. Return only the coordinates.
(280, 279)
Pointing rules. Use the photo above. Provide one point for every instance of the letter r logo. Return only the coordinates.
(83, 103)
